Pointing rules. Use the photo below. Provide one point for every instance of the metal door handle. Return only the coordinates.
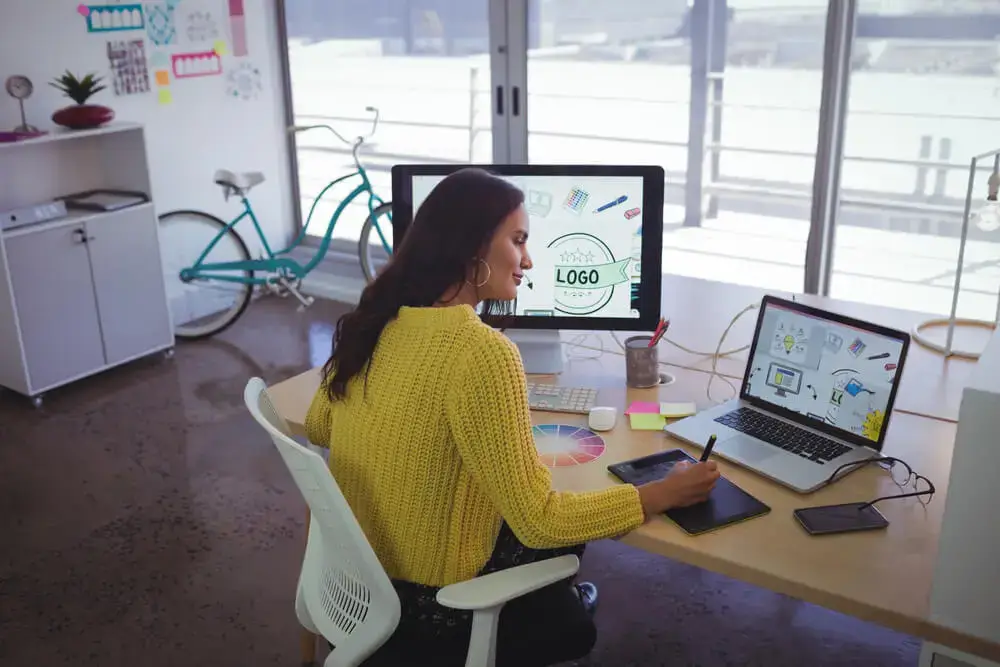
(82, 236)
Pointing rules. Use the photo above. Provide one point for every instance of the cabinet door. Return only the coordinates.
(56, 308)
(128, 279)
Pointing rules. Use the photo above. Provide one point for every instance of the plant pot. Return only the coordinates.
(83, 116)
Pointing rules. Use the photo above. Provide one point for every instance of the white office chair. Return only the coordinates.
(343, 592)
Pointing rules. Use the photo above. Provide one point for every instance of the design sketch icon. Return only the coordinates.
(244, 82)
(129, 72)
(783, 379)
(611, 204)
(857, 347)
(203, 63)
(854, 387)
(576, 200)
(790, 343)
(833, 342)
(201, 27)
(586, 273)
(160, 23)
(539, 203)
(872, 427)
(112, 18)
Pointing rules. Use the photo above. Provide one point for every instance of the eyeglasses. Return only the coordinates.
(902, 475)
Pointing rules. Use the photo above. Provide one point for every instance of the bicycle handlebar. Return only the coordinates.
(357, 140)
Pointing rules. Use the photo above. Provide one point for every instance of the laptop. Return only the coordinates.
(817, 393)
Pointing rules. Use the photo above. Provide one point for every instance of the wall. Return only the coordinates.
(201, 128)
(966, 590)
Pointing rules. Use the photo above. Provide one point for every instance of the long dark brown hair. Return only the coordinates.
(448, 235)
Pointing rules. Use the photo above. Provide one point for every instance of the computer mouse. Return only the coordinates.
(602, 418)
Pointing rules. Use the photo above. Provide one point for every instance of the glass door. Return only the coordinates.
(724, 94)
(430, 67)
(923, 99)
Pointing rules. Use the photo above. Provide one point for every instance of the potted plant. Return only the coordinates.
(81, 115)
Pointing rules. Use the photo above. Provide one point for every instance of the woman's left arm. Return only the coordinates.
(318, 423)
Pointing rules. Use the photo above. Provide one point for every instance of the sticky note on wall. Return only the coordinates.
(164, 96)
(237, 26)
(162, 77)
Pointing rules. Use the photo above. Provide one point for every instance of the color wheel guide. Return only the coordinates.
(566, 445)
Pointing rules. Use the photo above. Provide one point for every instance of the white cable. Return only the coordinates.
(716, 355)
(579, 342)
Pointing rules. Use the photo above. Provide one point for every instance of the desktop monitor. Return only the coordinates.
(595, 240)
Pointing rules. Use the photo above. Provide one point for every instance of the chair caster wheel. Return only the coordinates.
(168, 353)
(36, 401)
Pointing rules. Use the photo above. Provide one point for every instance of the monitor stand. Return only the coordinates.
(541, 350)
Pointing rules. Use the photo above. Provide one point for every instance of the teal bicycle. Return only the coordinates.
(210, 275)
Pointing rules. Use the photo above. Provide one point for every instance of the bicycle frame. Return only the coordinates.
(274, 264)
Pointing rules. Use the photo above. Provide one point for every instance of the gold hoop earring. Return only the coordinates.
(489, 272)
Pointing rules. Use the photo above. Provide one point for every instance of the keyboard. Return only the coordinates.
(554, 398)
(789, 437)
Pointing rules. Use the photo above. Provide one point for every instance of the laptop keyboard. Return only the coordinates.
(792, 439)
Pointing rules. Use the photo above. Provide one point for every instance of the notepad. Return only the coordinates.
(676, 410)
(668, 410)
(647, 421)
(638, 407)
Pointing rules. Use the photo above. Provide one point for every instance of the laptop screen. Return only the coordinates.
(834, 373)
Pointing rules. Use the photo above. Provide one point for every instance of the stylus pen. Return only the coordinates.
(620, 200)
(708, 449)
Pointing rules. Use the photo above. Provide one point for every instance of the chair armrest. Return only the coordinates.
(498, 588)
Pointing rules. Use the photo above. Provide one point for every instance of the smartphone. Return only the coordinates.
(846, 518)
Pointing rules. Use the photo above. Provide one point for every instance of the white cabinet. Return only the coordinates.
(56, 308)
(126, 270)
(86, 292)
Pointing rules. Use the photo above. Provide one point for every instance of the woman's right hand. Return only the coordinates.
(685, 485)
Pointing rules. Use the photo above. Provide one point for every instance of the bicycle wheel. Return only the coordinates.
(370, 250)
(202, 307)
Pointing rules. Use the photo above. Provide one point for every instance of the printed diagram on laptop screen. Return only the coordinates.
(824, 370)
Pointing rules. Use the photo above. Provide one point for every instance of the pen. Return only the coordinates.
(620, 200)
(656, 333)
(662, 333)
(708, 449)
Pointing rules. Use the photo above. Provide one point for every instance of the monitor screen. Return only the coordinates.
(831, 372)
(595, 241)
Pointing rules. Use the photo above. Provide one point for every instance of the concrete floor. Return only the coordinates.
(147, 520)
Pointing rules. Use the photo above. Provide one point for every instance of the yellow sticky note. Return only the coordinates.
(675, 410)
(162, 77)
(165, 96)
(646, 421)
(220, 48)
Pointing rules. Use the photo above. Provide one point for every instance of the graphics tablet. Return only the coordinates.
(726, 505)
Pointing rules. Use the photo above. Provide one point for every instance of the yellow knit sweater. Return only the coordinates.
(439, 450)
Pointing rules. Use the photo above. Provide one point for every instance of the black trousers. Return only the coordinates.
(539, 629)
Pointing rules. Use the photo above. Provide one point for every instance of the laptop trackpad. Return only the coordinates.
(746, 449)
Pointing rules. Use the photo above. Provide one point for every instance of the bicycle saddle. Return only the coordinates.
(239, 182)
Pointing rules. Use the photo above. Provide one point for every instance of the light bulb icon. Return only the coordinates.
(789, 342)
(988, 217)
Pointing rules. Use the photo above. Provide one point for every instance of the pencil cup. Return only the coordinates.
(642, 363)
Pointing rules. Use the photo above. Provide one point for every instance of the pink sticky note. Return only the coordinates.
(640, 407)
(83, 10)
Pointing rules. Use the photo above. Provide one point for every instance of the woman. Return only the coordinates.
(425, 410)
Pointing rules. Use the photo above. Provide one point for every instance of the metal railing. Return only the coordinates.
(936, 205)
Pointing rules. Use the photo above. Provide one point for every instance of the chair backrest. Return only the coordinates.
(349, 597)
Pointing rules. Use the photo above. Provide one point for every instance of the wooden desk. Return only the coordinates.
(883, 577)
(700, 310)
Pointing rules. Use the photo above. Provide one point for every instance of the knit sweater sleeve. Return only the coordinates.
(318, 424)
(487, 410)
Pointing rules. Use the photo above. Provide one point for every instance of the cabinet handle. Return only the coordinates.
(81, 236)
